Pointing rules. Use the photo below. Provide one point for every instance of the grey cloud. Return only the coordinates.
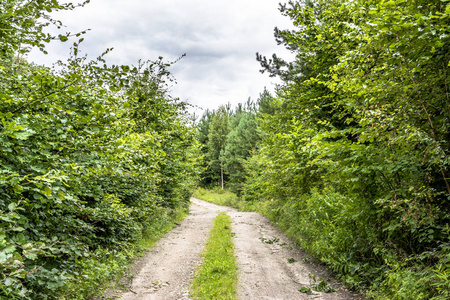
(220, 39)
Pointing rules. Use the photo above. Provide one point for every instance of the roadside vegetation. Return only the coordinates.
(106, 273)
(217, 276)
(350, 156)
(218, 196)
(94, 161)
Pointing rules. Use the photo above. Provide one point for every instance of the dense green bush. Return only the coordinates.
(92, 158)
(354, 162)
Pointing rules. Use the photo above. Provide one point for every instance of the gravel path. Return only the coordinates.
(270, 267)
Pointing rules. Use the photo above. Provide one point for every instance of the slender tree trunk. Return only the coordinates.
(221, 175)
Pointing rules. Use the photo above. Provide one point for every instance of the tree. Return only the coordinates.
(359, 140)
(22, 24)
(266, 103)
(241, 142)
(217, 138)
(202, 136)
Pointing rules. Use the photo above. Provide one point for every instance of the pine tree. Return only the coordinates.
(217, 138)
(202, 136)
(241, 141)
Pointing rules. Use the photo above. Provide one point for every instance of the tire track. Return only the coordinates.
(269, 264)
(169, 266)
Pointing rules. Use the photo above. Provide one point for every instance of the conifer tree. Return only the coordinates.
(242, 139)
(217, 138)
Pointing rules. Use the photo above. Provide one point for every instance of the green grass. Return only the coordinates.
(217, 277)
(221, 197)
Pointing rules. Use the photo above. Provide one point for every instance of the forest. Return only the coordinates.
(349, 155)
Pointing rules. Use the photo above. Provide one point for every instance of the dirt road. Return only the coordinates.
(269, 266)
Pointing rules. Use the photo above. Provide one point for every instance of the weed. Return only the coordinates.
(322, 285)
(306, 290)
(306, 259)
(267, 241)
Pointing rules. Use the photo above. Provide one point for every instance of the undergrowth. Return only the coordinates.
(329, 226)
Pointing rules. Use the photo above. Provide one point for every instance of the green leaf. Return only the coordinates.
(30, 254)
(8, 281)
(9, 249)
(47, 191)
(61, 196)
(22, 135)
(12, 206)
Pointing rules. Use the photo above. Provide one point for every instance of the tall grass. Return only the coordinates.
(222, 197)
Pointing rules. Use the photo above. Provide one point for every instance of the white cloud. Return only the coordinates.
(220, 38)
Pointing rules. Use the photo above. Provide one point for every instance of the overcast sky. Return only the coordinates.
(220, 39)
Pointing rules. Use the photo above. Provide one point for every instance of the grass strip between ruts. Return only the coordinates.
(217, 276)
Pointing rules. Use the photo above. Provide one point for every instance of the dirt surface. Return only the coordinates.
(270, 267)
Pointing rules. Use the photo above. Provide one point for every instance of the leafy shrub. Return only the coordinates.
(92, 159)
(354, 160)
